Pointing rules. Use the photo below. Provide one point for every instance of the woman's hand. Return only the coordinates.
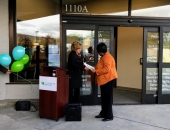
(8, 72)
(93, 70)
(86, 68)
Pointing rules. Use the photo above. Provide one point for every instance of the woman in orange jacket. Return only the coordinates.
(106, 75)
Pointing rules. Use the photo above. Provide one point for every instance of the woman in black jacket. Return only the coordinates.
(75, 68)
(4, 70)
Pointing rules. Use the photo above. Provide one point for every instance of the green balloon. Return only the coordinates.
(24, 59)
(17, 66)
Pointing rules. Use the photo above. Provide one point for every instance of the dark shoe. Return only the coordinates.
(107, 119)
(98, 116)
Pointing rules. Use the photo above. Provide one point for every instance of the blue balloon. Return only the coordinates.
(18, 52)
(5, 60)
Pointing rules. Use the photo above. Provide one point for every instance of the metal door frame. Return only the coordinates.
(158, 98)
(148, 98)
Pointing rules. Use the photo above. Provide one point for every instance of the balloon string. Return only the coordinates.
(24, 79)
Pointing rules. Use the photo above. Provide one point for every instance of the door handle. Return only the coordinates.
(141, 61)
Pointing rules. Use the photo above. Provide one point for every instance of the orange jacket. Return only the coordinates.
(106, 69)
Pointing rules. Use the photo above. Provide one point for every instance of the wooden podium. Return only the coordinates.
(52, 102)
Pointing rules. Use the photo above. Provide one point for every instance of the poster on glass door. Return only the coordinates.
(53, 55)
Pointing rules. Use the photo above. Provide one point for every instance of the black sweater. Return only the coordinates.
(3, 69)
(75, 62)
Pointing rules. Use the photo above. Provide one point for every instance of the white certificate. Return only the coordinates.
(89, 66)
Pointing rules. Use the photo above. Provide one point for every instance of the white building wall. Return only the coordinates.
(11, 91)
(22, 91)
(4, 43)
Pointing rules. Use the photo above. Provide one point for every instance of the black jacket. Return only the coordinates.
(3, 69)
(75, 68)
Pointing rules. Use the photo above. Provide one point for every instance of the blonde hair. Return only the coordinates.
(76, 45)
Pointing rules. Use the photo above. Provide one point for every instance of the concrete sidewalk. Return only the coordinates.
(126, 117)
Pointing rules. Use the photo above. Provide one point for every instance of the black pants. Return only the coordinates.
(74, 95)
(107, 99)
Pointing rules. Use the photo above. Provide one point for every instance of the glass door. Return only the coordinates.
(105, 34)
(150, 66)
(164, 64)
(156, 65)
(85, 34)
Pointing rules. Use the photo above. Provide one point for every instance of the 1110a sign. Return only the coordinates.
(76, 9)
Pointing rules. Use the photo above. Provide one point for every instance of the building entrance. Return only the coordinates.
(150, 53)
(143, 62)
(129, 42)
(89, 36)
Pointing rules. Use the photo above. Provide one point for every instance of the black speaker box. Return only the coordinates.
(22, 105)
(73, 112)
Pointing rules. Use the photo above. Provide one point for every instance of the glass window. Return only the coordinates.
(152, 46)
(166, 81)
(38, 31)
(104, 36)
(96, 7)
(166, 47)
(88, 79)
(151, 80)
(86, 37)
(152, 8)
